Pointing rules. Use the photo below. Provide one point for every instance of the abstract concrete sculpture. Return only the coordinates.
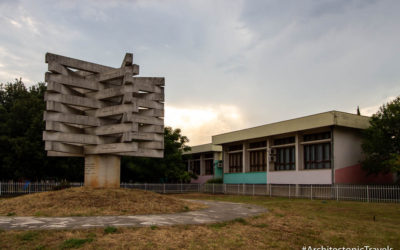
(102, 113)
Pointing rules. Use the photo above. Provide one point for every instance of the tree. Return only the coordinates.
(381, 143)
(171, 168)
(22, 154)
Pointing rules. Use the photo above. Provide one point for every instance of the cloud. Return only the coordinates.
(200, 123)
(368, 111)
(275, 60)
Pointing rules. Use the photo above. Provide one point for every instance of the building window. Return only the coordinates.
(258, 161)
(283, 141)
(235, 147)
(235, 162)
(209, 155)
(259, 144)
(317, 156)
(285, 158)
(195, 167)
(318, 136)
(209, 167)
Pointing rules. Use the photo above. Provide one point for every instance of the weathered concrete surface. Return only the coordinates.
(216, 212)
(102, 171)
(87, 102)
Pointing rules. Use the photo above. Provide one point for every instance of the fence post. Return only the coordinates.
(289, 191)
(213, 188)
(181, 187)
(164, 187)
(253, 189)
(311, 192)
(270, 190)
(337, 192)
(367, 194)
(145, 186)
(0, 188)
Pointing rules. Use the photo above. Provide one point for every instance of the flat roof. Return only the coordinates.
(330, 118)
(209, 147)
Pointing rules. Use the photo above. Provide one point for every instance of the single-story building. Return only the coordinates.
(323, 148)
(205, 161)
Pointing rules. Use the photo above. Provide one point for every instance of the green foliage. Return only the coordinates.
(22, 154)
(28, 236)
(153, 227)
(74, 243)
(215, 180)
(110, 230)
(241, 221)
(381, 143)
(171, 168)
(62, 185)
(218, 225)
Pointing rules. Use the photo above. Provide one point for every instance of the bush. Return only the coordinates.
(216, 180)
(62, 185)
(110, 230)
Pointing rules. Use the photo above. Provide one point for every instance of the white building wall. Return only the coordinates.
(346, 147)
(315, 176)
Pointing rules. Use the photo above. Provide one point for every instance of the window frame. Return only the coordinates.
(235, 163)
(258, 160)
(281, 154)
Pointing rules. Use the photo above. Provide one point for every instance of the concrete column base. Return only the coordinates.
(102, 171)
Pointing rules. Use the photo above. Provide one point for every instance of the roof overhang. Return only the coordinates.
(204, 148)
(326, 119)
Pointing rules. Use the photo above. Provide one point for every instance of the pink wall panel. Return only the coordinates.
(355, 175)
(202, 179)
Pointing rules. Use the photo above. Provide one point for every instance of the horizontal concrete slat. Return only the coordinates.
(146, 120)
(61, 127)
(63, 147)
(73, 81)
(152, 128)
(73, 100)
(111, 148)
(70, 118)
(112, 129)
(76, 63)
(145, 153)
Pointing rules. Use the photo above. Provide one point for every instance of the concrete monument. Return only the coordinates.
(102, 113)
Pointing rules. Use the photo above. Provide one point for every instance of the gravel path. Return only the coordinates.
(217, 211)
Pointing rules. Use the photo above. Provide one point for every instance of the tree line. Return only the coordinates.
(22, 154)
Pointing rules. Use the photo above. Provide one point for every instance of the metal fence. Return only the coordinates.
(365, 193)
(18, 188)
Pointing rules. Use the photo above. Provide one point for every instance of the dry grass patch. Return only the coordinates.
(84, 201)
(289, 224)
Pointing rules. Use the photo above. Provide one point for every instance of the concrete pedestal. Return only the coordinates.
(102, 171)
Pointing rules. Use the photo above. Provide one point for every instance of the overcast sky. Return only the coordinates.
(228, 65)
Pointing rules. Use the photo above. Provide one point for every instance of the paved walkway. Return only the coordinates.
(216, 211)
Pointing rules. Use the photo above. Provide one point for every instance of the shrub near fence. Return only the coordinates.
(365, 193)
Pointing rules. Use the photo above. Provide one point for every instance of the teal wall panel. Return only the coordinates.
(248, 178)
(217, 170)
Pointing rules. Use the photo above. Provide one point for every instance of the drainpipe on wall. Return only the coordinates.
(333, 154)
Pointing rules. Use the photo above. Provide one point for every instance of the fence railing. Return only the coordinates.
(16, 188)
(365, 193)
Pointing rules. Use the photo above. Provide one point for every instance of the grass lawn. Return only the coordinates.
(289, 224)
